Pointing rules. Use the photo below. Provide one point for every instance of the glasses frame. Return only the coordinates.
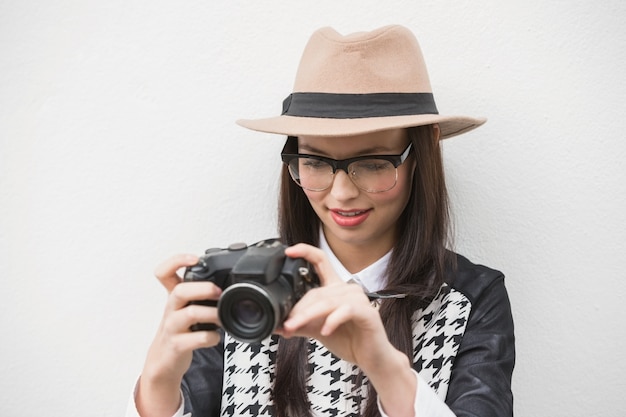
(343, 164)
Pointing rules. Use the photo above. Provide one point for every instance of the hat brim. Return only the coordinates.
(313, 126)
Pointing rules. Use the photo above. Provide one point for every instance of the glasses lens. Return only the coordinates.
(311, 174)
(373, 175)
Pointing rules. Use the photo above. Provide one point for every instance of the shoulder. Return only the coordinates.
(489, 303)
(473, 280)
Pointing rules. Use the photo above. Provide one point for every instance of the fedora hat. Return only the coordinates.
(360, 83)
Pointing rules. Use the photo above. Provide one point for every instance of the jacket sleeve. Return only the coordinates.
(480, 382)
(202, 383)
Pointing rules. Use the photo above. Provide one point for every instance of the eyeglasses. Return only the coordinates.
(371, 173)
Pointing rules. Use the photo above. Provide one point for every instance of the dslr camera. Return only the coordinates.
(260, 286)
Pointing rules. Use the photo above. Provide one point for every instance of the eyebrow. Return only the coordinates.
(367, 151)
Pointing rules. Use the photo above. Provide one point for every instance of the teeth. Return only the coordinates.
(350, 214)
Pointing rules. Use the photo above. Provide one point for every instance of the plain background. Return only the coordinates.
(118, 148)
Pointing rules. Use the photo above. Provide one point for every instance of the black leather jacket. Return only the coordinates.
(480, 384)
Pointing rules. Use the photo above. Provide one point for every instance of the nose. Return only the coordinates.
(343, 188)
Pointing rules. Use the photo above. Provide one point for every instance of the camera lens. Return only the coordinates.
(247, 312)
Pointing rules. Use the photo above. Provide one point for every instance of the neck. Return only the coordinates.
(356, 256)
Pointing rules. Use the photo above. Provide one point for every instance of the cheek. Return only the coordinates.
(399, 195)
(394, 199)
(405, 178)
(314, 197)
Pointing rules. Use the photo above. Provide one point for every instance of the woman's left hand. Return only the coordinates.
(337, 314)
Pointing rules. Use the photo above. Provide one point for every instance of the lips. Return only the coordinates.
(349, 218)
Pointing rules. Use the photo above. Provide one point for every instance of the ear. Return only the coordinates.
(436, 131)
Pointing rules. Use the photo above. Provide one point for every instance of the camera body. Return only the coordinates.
(260, 286)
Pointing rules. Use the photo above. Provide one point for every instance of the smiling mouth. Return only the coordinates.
(349, 213)
(349, 218)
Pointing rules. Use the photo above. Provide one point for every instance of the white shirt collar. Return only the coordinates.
(372, 278)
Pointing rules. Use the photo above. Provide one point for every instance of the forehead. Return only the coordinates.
(383, 142)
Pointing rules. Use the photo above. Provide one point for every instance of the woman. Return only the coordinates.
(363, 199)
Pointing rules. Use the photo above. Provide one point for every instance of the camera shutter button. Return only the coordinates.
(237, 246)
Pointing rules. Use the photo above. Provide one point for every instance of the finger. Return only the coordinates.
(181, 320)
(182, 294)
(318, 259)
(336, 318)
(321, 303)
(312, 308)
(187, 342)
(329, 297)
(166, 271)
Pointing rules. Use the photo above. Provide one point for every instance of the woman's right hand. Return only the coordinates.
(170, 354)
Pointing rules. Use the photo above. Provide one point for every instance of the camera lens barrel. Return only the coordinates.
(250, 312)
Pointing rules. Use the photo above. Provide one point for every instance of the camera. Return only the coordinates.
(260, 287)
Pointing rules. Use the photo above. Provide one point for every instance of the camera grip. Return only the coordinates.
(198, 327)
(204, 326)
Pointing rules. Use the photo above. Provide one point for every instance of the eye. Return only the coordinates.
(373, 165)
(312, 164)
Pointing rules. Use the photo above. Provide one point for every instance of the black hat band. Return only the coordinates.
(356, 106)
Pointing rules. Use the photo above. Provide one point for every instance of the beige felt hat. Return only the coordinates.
(360, 83)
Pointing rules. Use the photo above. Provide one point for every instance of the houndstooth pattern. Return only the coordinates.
(332, 384)
(437, 334)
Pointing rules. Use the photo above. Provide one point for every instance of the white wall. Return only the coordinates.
(118, 148)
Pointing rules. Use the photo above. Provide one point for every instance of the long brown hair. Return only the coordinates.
(416, 268)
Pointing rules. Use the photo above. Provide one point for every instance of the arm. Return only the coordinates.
(170, 355)
(202, 383)
(427, 403)
(480, 383)
(396, 384)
